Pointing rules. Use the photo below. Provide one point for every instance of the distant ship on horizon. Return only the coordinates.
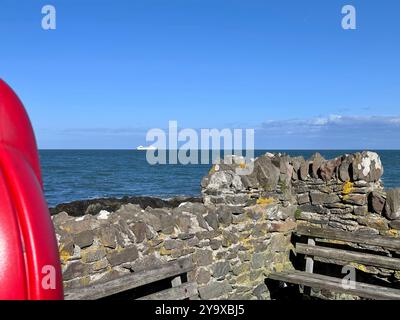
(142, 148)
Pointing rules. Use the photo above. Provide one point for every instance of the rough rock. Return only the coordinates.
(129, 254)
(392, 207)
(377, 202)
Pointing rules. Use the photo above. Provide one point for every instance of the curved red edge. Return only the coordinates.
(29, 258)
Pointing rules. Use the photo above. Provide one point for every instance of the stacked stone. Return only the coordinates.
(241, 232)
(233, 249)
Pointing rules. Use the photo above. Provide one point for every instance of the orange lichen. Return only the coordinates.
(265, 200)
(347, 187)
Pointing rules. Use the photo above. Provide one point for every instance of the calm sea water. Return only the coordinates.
(85, 174)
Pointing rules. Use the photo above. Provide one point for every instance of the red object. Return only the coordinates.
(29, 260)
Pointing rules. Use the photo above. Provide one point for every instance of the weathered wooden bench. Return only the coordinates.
(343, 257)
(176, 271)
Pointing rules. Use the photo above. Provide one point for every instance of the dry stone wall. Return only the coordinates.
(242, 229)
(233, 250)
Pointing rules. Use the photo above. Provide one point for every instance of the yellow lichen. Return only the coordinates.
(360, 267)
(393, 232)
(242, 165)
(265, 200)
(347, 187)
(165, 252)
(64, 256)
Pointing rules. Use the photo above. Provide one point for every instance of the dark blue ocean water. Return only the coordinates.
(85, 174)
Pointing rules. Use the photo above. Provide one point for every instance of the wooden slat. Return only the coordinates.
(130, 281)
(349, 256)
(360, 284)
(379, 241)
(335, 285)
(184, 291)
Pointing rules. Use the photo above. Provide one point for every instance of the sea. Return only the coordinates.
(71, 175)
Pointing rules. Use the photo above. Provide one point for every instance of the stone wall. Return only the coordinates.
(242, 230)
(345, 193)
(232, 249)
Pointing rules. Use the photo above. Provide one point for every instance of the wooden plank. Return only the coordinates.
(379, 241)
(349, 256)
(309, 265)
(322, 282)
(177, 281)
(361, 284)
(130, 281)
(310, 260)
(184, 291)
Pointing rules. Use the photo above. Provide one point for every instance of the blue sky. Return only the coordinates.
(113, 69)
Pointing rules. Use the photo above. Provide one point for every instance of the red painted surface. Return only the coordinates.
(29, 260)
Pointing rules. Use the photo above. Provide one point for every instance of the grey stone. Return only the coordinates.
(316, 162)
(356, 199)
(344, 168)
(221, 269)
(229, 238)
(328, 169)
(214, 290)
(167, 224)
(377, 202)
(212, 220)
(395, 224)
(266, 172)
(128, 254)
(84, 239)
(85, 224)
(303, 198)
(203, 257)
(260, 290)
(258, 260)
(76, 269)
(60, 218)
(360, 210)
(367, 166)
(93, 254)
(278, 242)
(153, 220)
(224, 217)
(108, 237)
(392, 207)
(314, 208)
(139, 229)
(173, 244)
(203, 276)
(215, 244)
(318, 198)
(304, 170)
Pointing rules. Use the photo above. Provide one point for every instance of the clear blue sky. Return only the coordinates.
(113, 69)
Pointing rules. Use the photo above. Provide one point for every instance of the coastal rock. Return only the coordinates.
(316, 162)
(304, 170)
(377, 201)
(328, 169)
(267, 173)
(84, 239)
(344, 168)
(367, 166)
(392, 207)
